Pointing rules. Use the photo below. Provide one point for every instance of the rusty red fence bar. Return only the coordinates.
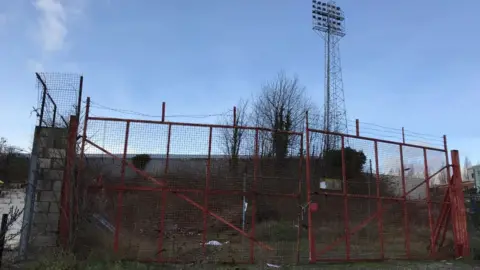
(254, 197)
(206, 193)
(118, 218)
(299, 200)
(462, 244)
(357, 228)
(113, 119)
(163, 193)
(375, 139)
(311, 238)
(428, 199)
(427, 180)
(379, 203)
(82, 152)
(345, 201)
(404, 204)
(442, 219)
(383, 198)
(67, 195)
(187, 190)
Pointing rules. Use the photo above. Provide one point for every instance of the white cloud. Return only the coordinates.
(53, 24)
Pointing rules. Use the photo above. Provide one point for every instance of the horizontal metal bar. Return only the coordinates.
(373, 197)
(187, 190)
(376, 140)
(424, 181)
(112, 119)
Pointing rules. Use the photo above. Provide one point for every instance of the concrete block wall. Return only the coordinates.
(52, 144)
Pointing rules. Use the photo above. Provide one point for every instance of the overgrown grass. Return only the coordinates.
(64, 261)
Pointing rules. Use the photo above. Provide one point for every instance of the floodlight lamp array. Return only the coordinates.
(327, 17)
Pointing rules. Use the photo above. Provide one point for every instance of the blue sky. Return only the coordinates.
(405, 63)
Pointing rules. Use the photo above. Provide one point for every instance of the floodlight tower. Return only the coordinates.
(328, 22)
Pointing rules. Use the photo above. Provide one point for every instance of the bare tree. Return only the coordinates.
(232, 138)
(281, 106)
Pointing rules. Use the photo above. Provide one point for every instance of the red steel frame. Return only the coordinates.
(182, 193)
(66, 211)
(453, 208)
(453, 200)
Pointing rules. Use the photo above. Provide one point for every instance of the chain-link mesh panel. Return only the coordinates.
(373, 199)
(176, 192)
(197, 192)
(58, 98)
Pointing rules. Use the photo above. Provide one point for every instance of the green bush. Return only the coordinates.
(141, 161)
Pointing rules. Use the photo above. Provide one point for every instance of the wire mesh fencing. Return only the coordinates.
(373, 198)
(174, 192)
(188, 192)
(59, 96)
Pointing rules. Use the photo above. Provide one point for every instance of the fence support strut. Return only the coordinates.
(118, 218)
(311, 238)
(206, 193)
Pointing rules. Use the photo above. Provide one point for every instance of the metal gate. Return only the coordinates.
(167, 192)
(192, 203)
(387, 210)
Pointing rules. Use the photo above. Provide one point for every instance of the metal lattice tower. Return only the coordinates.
(328, 22)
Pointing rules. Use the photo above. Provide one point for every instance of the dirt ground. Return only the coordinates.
(381, 265)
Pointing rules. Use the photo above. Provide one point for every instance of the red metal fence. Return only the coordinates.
(247, 194)
(388, 211)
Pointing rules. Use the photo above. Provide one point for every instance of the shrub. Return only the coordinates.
(141, 161)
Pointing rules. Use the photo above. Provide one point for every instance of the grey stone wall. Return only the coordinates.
(51, 149)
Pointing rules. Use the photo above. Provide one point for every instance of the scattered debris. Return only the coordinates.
(273, 265)
(213, 243)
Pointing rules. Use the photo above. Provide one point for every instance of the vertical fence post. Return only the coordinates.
(119, 214)
(458, 209)
(311, 238)
(164, 200)
(3, 233)
(357, 127)
(81, 162)
(404, 196)
(428, 199)
(299, 199)
(234, 116)
(254, 198)
(447, 159)
(163, 111)
(206, 193)
(403, 134)
(79, 103)
(345, 202)
(44, 97)
(67, 191)
(54, 115)
(379, 203)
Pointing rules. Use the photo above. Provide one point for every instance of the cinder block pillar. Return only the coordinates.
(51, 149)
